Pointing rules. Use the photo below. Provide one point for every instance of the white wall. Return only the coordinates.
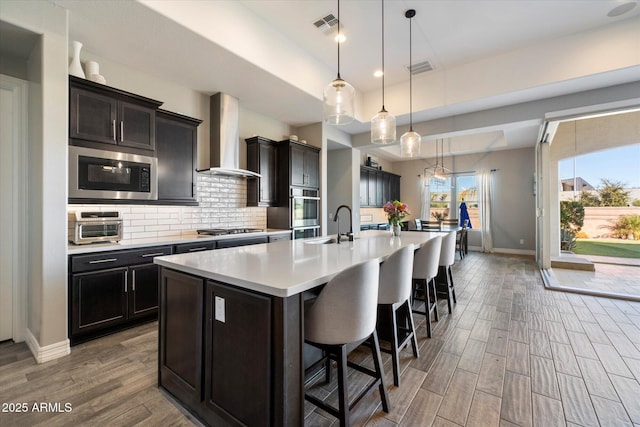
(46, 192)
(513, 215)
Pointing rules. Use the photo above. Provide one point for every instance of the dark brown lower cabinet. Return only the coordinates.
(112, 290)
(238, 355)
(99, 300)
(143, 298)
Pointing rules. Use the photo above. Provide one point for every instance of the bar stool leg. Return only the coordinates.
(435, 299)
(453, 291)
(394, 346)
(414, 340)
(343, 396)
(377, 361)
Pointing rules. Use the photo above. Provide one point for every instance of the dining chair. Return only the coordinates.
(430, 225)
(425, 269)
(393, 302)
(450, 222)
(343, 316)
(461, 238)
(418, 224)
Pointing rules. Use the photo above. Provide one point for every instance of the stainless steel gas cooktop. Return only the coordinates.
(224, 231)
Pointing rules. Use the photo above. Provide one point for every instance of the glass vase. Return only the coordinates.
(395, 230)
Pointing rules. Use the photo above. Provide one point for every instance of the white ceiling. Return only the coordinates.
(269, 55)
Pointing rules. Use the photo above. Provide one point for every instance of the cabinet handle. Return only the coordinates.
(100, 261)
(121, 130)
(203, 248)
(126, 283)
(153, 254)
(133, 280)
(113, 127)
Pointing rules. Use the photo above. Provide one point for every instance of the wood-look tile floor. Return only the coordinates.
(512, 353)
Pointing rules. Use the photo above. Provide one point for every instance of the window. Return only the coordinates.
(446, 194)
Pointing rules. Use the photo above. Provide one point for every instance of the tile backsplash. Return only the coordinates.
(222, 204)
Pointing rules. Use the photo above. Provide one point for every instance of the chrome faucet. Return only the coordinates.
(336, 218)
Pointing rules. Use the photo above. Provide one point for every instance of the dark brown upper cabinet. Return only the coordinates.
(261, 158)
(100, 114)
(176, 149)
(298, 165)
(378, 187)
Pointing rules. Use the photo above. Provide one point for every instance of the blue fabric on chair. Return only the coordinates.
(464, 215)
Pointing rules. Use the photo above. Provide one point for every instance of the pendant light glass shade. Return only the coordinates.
(339, 102)
(410, 140)
(383, 128)
(410, 144)
(383, 124)
(339, 97)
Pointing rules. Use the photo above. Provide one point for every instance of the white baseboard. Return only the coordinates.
(49, 352)
(504, 251)
(514, 251)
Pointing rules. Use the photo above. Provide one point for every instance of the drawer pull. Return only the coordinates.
(154, 254)
(203, 248)
(100, 261)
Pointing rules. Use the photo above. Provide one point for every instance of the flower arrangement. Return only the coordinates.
(396, 211)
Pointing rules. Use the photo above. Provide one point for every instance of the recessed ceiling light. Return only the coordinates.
(340, 38)
(377, 73)
(621, 9)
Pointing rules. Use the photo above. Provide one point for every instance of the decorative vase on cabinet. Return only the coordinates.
(75, 67)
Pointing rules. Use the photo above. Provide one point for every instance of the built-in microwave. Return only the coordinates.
(101, 174)
(305, 207)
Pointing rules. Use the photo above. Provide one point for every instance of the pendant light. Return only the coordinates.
(383, 124)
(410, 141)
(339, 96)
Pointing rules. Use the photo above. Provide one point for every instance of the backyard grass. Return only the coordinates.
(608, 247)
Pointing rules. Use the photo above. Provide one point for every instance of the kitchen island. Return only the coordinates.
(231, 323)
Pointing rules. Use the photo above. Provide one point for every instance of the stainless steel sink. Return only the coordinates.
(324, 241)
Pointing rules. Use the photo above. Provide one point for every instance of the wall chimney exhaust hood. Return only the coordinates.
(224, 147)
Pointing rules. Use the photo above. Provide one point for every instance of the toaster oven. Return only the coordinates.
(93, 227)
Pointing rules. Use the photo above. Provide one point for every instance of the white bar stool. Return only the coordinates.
(447, 258)
(425, 270)
(345, 313)
(394, 293)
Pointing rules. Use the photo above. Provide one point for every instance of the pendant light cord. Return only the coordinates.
(410, 80)
(383, 55)
(339, 42)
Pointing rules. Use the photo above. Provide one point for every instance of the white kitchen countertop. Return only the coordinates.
(290, 267)
(159, 241)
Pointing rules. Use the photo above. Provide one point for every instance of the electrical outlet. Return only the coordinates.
(522, 241)
(330, 215)
(220, 310)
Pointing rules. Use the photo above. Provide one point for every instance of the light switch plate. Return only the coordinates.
(220, 315)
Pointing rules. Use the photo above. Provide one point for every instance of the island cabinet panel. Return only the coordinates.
(181, 320)
(238, 377)
(231, 356)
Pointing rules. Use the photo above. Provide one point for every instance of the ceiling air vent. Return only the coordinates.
(420, 67)
(326, 23)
